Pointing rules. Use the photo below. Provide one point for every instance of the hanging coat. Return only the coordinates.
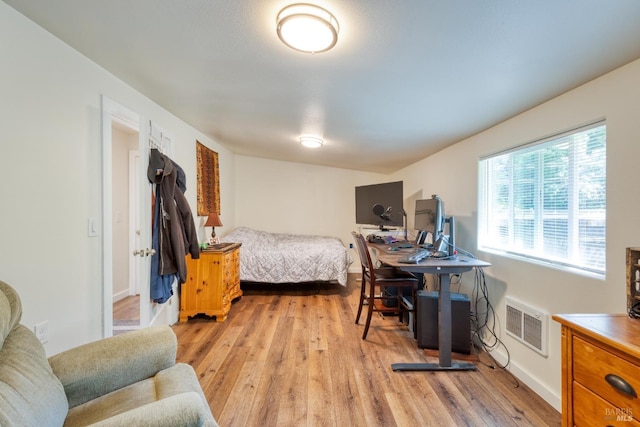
(161, 285)
(176, 231)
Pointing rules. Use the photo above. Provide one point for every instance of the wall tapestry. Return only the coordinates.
(208, 180)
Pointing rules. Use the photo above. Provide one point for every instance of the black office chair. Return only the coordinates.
(378, 278)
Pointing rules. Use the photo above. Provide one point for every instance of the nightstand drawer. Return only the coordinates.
(591, 366)
(590, 409)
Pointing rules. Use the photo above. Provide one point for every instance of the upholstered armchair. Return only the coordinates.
(126, 380)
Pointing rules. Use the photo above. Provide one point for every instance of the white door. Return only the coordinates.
(134, 221)
(156, 313)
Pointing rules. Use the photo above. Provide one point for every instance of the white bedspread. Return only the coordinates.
(289, 258)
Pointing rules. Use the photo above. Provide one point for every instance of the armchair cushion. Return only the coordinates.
(178, 410)
(171, 398)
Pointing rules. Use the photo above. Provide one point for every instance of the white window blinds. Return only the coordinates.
(547, 200)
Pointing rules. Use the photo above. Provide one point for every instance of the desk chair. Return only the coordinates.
(376, 278)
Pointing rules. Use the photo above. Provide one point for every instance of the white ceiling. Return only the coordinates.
(407, 77)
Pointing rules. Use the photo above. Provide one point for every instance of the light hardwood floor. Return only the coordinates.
(127, 309)
(293, 356)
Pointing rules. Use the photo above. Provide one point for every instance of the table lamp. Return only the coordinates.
(213, 221)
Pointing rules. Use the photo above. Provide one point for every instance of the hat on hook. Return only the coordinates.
(155, 171)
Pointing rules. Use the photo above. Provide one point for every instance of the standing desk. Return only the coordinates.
(443, 268)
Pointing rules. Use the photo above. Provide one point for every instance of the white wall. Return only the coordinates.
(51, 171)
(279, 196)
(453, 174)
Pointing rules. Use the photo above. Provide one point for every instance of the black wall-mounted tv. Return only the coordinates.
(380, 205)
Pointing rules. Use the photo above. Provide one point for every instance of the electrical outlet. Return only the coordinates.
(42, 331)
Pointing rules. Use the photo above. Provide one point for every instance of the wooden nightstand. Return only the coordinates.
(600, 369)
(213, 282)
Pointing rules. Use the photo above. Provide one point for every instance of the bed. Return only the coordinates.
(289, 258)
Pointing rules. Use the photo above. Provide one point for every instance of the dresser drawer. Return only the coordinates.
(590, 409)
(592, 364)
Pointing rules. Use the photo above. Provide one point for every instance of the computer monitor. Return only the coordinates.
(380, 205)
(429, 216)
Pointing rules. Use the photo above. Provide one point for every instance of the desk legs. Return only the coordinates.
(444, 337)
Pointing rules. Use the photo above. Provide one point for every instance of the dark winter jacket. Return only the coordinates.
(178, 236)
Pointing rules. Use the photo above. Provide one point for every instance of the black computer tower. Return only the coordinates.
(427, 319)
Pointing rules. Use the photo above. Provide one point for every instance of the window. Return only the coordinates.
(546, 201)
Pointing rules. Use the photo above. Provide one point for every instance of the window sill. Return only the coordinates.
(548, 264)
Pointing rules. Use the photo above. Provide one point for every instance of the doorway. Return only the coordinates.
(125, 175)
(134, 257)
(126, 232)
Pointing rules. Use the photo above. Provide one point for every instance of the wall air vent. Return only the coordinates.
(527, 325)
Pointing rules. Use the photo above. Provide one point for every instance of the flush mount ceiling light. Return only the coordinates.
(307, 28)
(311, 141)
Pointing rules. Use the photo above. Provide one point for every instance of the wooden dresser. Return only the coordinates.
(600, 370)
(213, 282)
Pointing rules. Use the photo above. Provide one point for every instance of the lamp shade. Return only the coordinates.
(213, 220)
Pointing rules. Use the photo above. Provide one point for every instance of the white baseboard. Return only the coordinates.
(531, 382)
(167, 313)
(120, 295)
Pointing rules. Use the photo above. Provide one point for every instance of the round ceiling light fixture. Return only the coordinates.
(307, 28)
(311, 141)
